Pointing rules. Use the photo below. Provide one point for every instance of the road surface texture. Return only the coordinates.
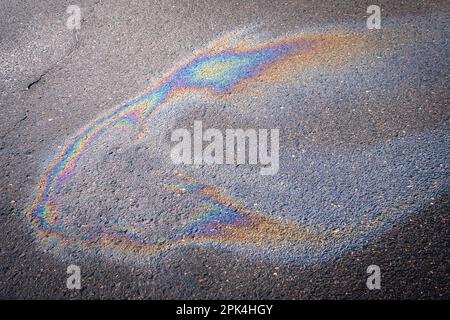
(87, 178)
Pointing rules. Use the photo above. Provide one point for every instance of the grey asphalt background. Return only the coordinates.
(51, 85)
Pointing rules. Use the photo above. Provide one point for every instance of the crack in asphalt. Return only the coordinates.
(73, 48)
(14, 127)
(35, 81)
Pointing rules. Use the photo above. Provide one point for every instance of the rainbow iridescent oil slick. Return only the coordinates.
(224, 69)
(218, 71)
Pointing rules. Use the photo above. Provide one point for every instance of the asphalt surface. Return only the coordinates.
(364, 157)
